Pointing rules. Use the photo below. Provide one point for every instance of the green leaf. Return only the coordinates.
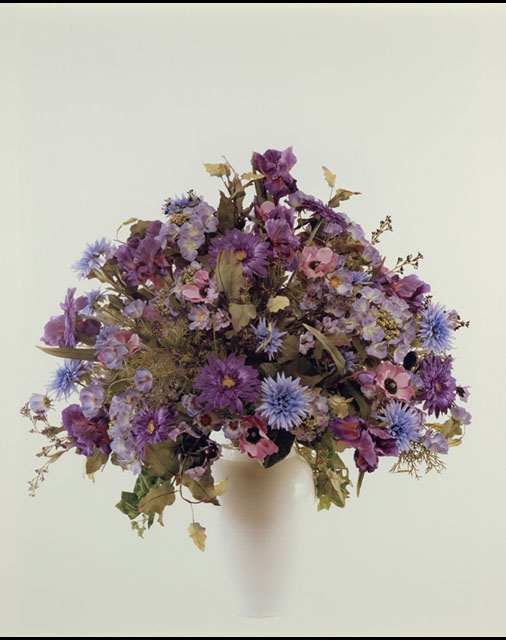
(332, 488)
(335, 354)
(241, 314)
(198, 535)
(68, 352)
(161, 459)
(289, 349)
(277, 303)
(157, 499)
(229, 275)
(364, 405)
(128, 504)
(226, 213)
(284, 440)
(341, 194)
(329, 177)
(96, 461)
(218, 169)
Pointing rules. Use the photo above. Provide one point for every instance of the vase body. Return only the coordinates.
(265, 522)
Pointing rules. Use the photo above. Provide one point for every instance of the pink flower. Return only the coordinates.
(203, 289)
(318, 261)
(394, 381)
(253, 438)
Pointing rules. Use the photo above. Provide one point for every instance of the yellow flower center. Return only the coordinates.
(151, 426)
(227, 382)
(438, 386)
(334, 281)
(201, 315)
(240, 255)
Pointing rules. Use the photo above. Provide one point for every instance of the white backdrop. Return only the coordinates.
(109, 109)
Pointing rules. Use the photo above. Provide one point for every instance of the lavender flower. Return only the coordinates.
(176, 205)
(285, 402)
(39, 403)
(227, 383)
(248, 249)
(191, 238)
(199, 316)
(135, 309)
(143, 379)
(92, 398)
(438, 385)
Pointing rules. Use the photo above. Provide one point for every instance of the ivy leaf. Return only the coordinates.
(241, 314)
(342, 194)
(226, 213)
(157, 499)
(336, 355)
(332, 488)
(128, 504)
(161, 459)
(218, 169)
(277, 303)
(284, 440)
(329, 177)
(96, 461)
(229, 275)
(204, 490)
(198, 535)
(68, 352)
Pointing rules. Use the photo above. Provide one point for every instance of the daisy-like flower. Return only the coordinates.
(269, 339)
(404, 422)
(226, 384)
(435, 329)
(199, 317)
(394, 381)
(95, 256)
(285, 402)
(248, 249)
(153, 426)
(439, 388)
(66, 377)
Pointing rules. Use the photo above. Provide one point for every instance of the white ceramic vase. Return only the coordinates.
(264, 526)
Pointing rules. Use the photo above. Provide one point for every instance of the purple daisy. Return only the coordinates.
(248, 249)
(227, 383)
(300, 200)
(438, 385)
(153, 426)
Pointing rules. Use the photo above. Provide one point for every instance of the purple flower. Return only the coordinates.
(191, 238)
(435, 441)
(248, 249)
(176, 205)
(54, 331)
(227, 383)
(438, 385)
(142, 259)
(143, 379)
(461, 415)
(322, 210)
(285, 243)
(404, 423)
(153, 426)
(39, 403)
(369, 443)
(86, 433)
(70, 308)
(135, 309)
(275, 166)
(199, 317)
(92, 398)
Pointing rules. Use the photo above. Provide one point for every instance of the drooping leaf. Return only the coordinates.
(128, 504)
(364, 405)
(226, 213)
(161, 459)
(198, 535)
(218, 169)
(241, 314)
(329, 177)
(284, 440)
(229, 275)
(277, 304)
(252, 176)
(340, 195)
(289, 349)
(157, 499)
(332, 488)
(69, 352)
(204, 490)
(336, 355)
(96, 461)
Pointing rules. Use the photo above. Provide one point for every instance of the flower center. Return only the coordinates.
(227, 382)
(335, 282)
(205, 419)
(390, 385)
(202, 315)
(313, 265)
(241, 255)
(253, 435)
(438, 386)
(151, 426)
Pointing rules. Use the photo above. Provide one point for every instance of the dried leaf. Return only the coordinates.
(218, 169)
(241, 314)
(341, 194)
(329, 177)
(68, 352)
(277, 303)
(96, 461)
(229, 275)
(198, 535)
(157, 499)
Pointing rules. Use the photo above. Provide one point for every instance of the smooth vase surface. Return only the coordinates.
(266, 517)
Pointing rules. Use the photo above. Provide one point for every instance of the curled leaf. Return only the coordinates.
(198, 535)
(329, 177)
(277, 303)
(218, 169)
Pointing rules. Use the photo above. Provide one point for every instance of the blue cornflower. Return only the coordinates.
(93, 297)
(94, 257)
(269, 339)
(285, 402)
(435, 329)
(403, 422)
(66, 377)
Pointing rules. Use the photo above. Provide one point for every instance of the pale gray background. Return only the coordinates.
(106, 111)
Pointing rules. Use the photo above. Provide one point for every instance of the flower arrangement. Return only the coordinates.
(264, 325)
